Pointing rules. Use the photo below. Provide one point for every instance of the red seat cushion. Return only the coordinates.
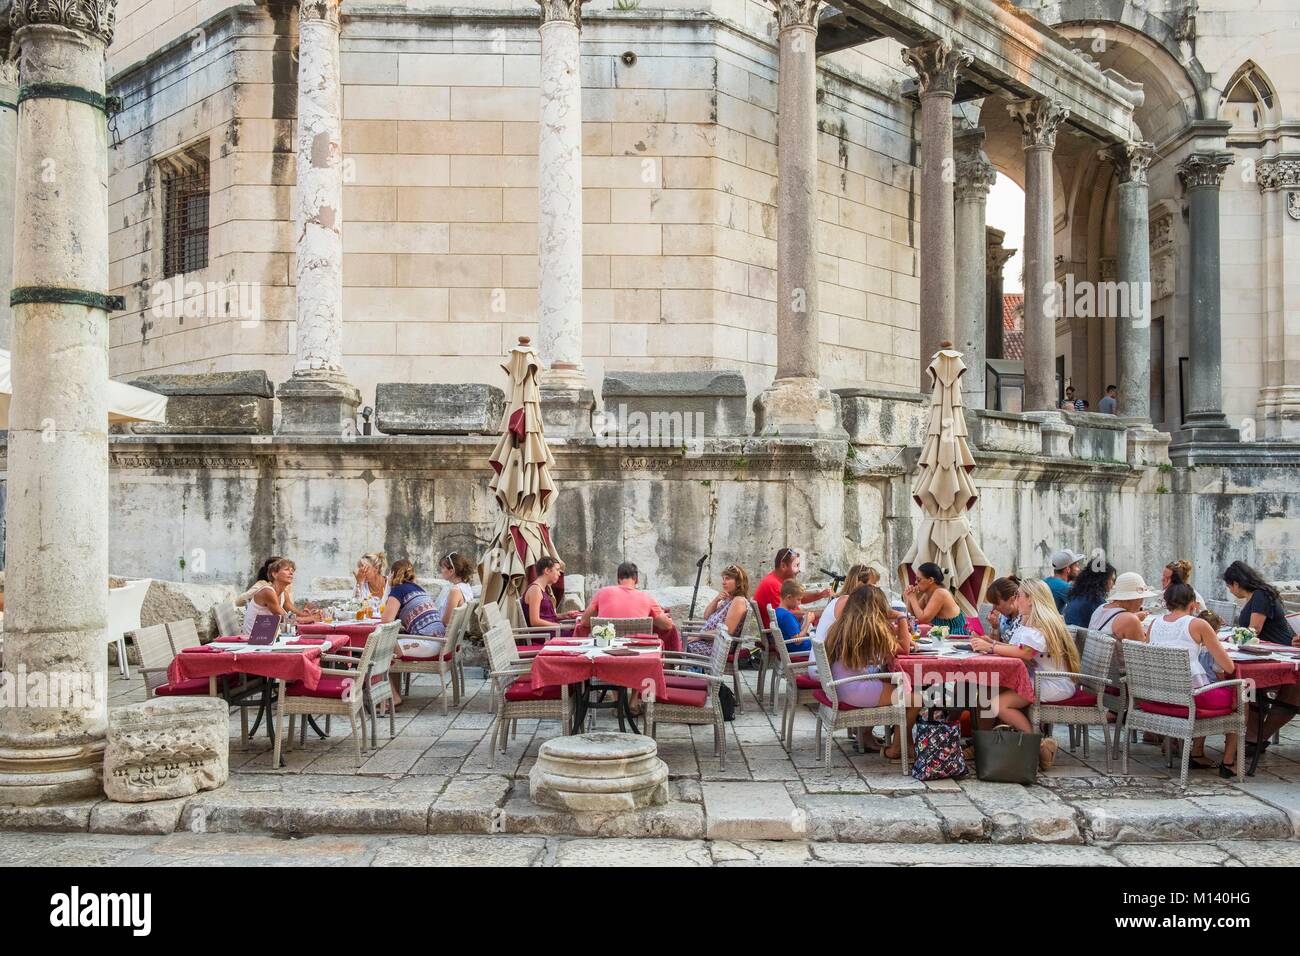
(332, 688)
(684, 696)
(194, 685)
(1081, 698)
(523, 689)
(1176, 710)
(826, 701)
(744, 652)
(686, 683)
(799, 657)
(421, 660)
(804, 682)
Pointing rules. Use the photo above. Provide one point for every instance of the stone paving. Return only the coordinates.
(435, 778)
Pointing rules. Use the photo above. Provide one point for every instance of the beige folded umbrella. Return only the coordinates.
(522, 485)
(126, 403)
(945, 493)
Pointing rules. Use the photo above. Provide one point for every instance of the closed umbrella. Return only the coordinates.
(126, 403)
(521, 483)
(945, 493)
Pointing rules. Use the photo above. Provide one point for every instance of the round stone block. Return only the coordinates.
(165, 748)
(599, 773)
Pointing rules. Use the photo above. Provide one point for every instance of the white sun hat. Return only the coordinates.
(1129, 586)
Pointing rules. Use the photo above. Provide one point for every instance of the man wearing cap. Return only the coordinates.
(1065, 568)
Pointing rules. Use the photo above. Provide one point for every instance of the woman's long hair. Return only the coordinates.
(264, 572)
(861, 635)
(1093, 584)
(1247, 578)
(1044, 616)
(402, 572)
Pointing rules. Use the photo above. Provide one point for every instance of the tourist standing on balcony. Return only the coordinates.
(1110, 402)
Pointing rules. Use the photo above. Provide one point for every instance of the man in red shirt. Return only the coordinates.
(788, 564)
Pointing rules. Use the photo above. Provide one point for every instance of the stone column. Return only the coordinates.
(56, 547)
(995, 264)
(937, 64)
(975, 174)
(1279, 397)
(567, 402)
(1039, 119)
(8, 145)
(1201, 174)
(318, 399)
(796, 403)
(1133, 272)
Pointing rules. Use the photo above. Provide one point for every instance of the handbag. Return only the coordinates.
(938, 749)
(1005, 755)
(727, 701)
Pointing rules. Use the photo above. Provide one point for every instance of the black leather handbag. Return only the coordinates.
(1005, 755)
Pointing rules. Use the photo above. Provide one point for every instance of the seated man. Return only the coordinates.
(787, 566)
(626, 600)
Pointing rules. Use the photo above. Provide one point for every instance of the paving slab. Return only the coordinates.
(675, 819)
(196, 849)
(469, 804)
(961, 855)
(52, 817)
(158, 816)
(754, 853)
(68, 849)
(1187, 820)
(226, 811)
(871, 818)
(1174, 854)
(633, 853)
(1264, 852)
(752, 811)
(462, 851)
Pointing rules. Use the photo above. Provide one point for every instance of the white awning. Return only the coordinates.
(126, 403)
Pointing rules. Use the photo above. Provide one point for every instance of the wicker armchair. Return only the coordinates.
(1087, 708)
(837, 716)
(1225, 609)
(156, 654)
(692, 693)
(626, 626)
(1164, 702)
(342, 690)
(446, 664)
(513, 695)
(799, 686)
(751, 630)
(183, 634)
(229, 622)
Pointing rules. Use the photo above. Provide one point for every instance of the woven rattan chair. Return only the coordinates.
(1225, 609)
(1163, 702)
(692, 693)
(750, 633)
(341, 691)
(156, 654)
(447, 664)
(778, 668)
(229, 622)
(183, 634)
(799, 686)
(1087, 708)
(836, 716)
(626, 626)
(513, 693)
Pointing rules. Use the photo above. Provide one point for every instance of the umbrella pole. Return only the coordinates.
(699, 570)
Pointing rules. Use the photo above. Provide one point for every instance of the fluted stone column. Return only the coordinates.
(1201, 175)
(1133, 272)
(319, 399)
(56, 547)
(1039, 119)
(8, 148)
(1279, 397)
(937, 65)
(975, 174)
(995, 264)
(796, 403)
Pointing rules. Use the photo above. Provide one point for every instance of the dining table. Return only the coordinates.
(355, 631)
(632, 663)
(1269, 669)
(951, 662)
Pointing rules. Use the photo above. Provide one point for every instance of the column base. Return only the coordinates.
(798, 408)
(39, 775)
(318, 406)
(1148, 447)
(567, 412)
(1278, 413)
(1211, 427)
(563, 375)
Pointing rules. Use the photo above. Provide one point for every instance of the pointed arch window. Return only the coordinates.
(1249, 101)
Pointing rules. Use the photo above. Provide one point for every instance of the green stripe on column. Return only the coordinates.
(48, 295)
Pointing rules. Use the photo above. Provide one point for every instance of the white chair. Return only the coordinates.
(229, 622)
(183, 634)
(691, 695)
(448, 663)
(124, 606)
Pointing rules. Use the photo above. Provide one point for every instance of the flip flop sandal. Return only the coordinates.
(1200, 763)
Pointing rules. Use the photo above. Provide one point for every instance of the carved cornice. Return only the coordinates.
(975, 174)
(95, 18)
(1204, 170)
(565, 11)
(937, 65)
(1277, 172)
(1039, 118)
(1130, 160)
(996, 258)
(796, 13)
(325, 11)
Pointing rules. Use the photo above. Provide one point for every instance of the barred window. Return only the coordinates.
(185, 210)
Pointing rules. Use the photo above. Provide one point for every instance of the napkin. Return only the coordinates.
(620, 652)
(313, 641)
(203, 649)
(644, 644)
(566, 643)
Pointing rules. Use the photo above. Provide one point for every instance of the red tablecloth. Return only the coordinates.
(557, 664)
(672, 637)
(356, 632)
(206, 661)
(983, 669)
(1267, 674)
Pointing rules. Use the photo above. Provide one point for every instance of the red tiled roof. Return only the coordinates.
(1013, 326)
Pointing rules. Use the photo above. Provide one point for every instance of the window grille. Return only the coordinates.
(185, 187)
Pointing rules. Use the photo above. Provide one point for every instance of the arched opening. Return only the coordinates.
(1249, 103)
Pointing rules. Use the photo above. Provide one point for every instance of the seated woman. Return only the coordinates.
(262, 578)
(1042, 642)
(1087, 592)
(1121, 617)
(539, 599)
(1181, 628)
(418, 612)
(1004, 616)
(727, 610)
(1264, 612)
(863, 641)
(372, 581)
(270, 596)
(1180, 570)
(931, 603)
(858, 576)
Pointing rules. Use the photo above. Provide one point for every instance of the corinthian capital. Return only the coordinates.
(1039, 119)
(1277, 172)
(1204, 170)
(937, 64)
(95, 18)
(566, 11)
(1131, 160)
(327, 11)
(796, 13)
(974, 175)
